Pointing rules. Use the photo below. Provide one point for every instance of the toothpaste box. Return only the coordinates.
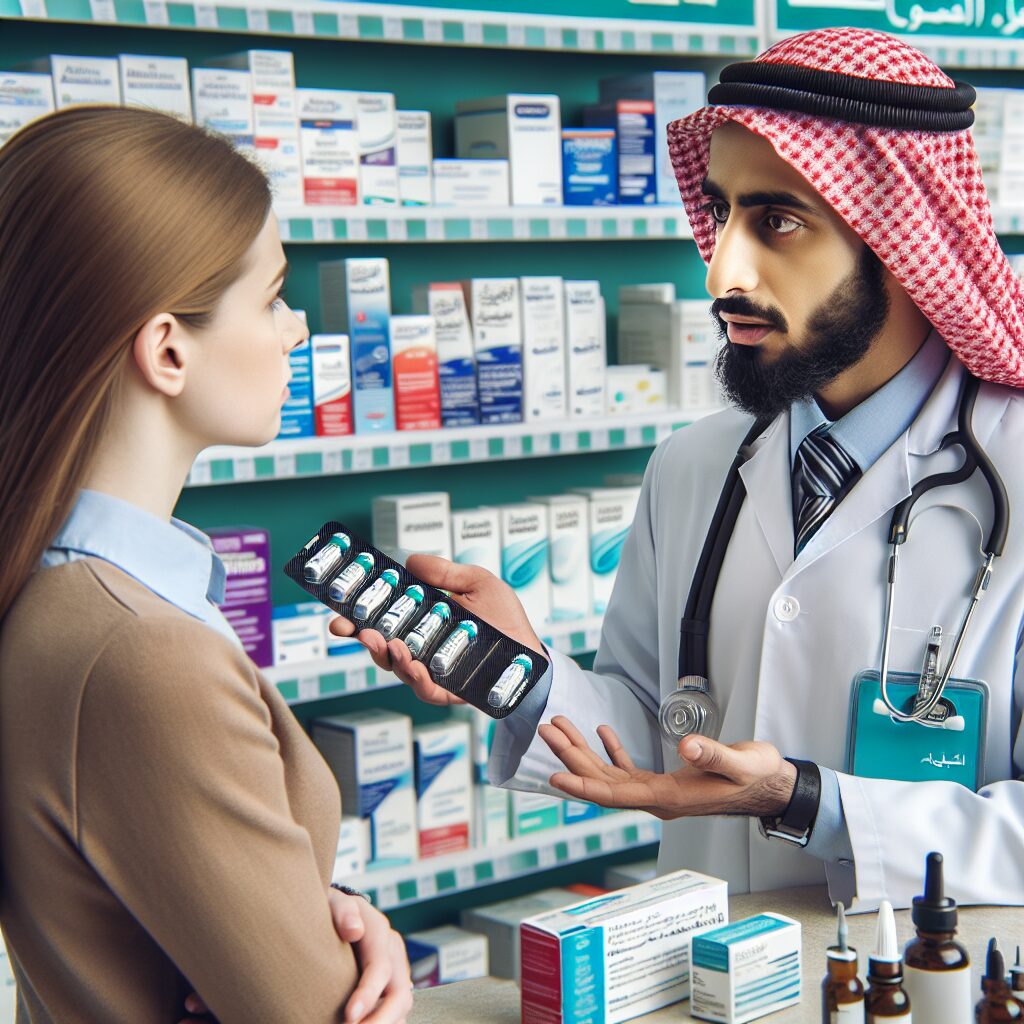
(444, 791)
(24, 96)
(157, 82)
(476, 540)
(442, 955)
(355, 297)
(526, 129)
(525, 557)
(299, 632)
(78, 80)
(618, 956)
(543, 316)
(415, 152)
(634, 124)
(332, 384)
(674, 95)
(370, 753)
(611, 511)
(585, 349)
(222, 100)
(569, 553)
(297, 411)
(417, 388)
(590, 167)
(378, 161)
(490, 816)
(245, 552)
(409, 524)
(497, 335)
(447, 303)
(746, 970)
(635, 388)
(622, 875)
(471, 182)
(575, 811)
(329, 141)
(353, 849)
(533, 812)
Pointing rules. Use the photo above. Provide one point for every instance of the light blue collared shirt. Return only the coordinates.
(865, 433)
(174, 560)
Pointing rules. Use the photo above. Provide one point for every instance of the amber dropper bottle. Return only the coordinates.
(997, 1005)
(842, 994)
(885, 1001)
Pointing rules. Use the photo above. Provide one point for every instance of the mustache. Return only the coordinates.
(740, 305)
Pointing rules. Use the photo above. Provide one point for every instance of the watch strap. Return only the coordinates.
(796, 822)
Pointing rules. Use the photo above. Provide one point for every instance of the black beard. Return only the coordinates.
(839, 334)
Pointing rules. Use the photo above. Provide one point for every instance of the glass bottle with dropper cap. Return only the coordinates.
(937, 969)
(885, 999)
(842, 994)
(1017, 977)
(997, 1004)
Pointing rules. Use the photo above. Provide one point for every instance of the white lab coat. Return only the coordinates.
(788, 638)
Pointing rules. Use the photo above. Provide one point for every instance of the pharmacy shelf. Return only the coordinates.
(445, 876)
(403, 24)
(483, 224)
(356, 672)
(1009, 220)
(365, 453)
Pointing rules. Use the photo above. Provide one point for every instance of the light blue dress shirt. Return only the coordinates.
(865, 433)
(174, 560)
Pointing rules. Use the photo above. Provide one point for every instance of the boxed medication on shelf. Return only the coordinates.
(410, 524)
(78, 80)
(590, 167)
(476, 538)
(160, 83)
(222, 100)
(575, 811)
(498, 340)
(329, 142)
(245, 552)
(623, 875)
(417, 388)
(297, 412)
(481, 729)
(674, 95)
(525, 557)
(471, 183)
(746, 970)
(444, 790)
(24, 96)
(611, 511)
(533, 812)
(569, 555)
(490, 816)
(446, 302)
(525, 129)
(353, 849)
(442, 955)
(636, 388)
(585, 349)
(543, 324)
(633, 121)
(660, 291)
(299, 632)
(370, 753)
(378, 163)
(569, 966)
(355, 297)
(332, 384)
(415, 154)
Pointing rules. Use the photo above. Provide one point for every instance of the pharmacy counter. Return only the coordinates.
(491, 1001)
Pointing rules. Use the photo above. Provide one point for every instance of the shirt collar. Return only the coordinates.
(171, 558)
(871, 427)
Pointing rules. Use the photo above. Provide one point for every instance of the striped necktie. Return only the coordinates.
(822, 475)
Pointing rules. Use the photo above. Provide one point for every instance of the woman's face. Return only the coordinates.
(239, 371)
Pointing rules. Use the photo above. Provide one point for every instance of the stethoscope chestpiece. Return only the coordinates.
(690, 710)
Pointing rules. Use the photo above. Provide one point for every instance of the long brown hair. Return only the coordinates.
(108, 216)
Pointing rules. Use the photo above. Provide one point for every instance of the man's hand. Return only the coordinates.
(384, 992)
(742, 778)
(479, 592)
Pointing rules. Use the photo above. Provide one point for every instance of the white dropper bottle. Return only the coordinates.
(885, 1000)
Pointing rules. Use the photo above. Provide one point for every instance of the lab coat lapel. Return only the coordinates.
(766, 477)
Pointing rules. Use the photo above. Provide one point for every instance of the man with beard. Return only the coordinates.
(834, 192)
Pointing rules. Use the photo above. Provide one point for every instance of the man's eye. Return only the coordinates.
(717, 210)
(781, 225)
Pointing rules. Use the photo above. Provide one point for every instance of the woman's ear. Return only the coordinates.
(160, 353)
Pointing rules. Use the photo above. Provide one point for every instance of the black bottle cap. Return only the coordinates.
(934, 911)
(995, 969)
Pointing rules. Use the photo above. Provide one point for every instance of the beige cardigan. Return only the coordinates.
(165, 823)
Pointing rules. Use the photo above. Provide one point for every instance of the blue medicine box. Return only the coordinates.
(297, 412)
(590, 173)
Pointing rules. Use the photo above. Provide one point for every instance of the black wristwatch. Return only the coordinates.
(796, 822)
(349, 891)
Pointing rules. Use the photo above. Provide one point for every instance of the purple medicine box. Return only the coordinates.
(245, 551)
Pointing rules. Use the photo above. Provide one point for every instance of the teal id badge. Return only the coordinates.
(880, 748)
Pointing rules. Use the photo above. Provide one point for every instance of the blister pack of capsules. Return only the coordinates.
(462, 652)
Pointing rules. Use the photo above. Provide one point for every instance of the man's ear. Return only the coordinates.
(160, 354)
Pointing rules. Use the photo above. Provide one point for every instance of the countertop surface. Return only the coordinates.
(492, 1000)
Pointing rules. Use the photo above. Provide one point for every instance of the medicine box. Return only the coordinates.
(746, 970)
(569, 555)
(611, 511)
(527, 130)
(370, 753)
(353, 849)
(575, 811)
(245, 552)
(222, 101)
(590, 167)
(623, 875)
(634, 124)
(543, 325)
(332, 384)
(24, 96)
(299, 632)
(448, 304)
(408, 524)
(297, 412)
(476, 538)
(442, 955)
(497, 337)
(634, 388)
(378, 161)
(78, 80)
(533, 812)
(525, 557)
(415, 155)
(572, 962)
(414, 359)
(481, 737)
(585, 349)
(444, 791)
(329, 142)
(469, 183)
(490, 816)
(160, 83)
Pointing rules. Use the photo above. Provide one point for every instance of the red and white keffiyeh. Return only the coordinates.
(915, 197)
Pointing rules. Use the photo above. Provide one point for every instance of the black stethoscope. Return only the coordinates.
(691, 708)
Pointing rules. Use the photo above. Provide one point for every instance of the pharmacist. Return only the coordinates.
(834, 192)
